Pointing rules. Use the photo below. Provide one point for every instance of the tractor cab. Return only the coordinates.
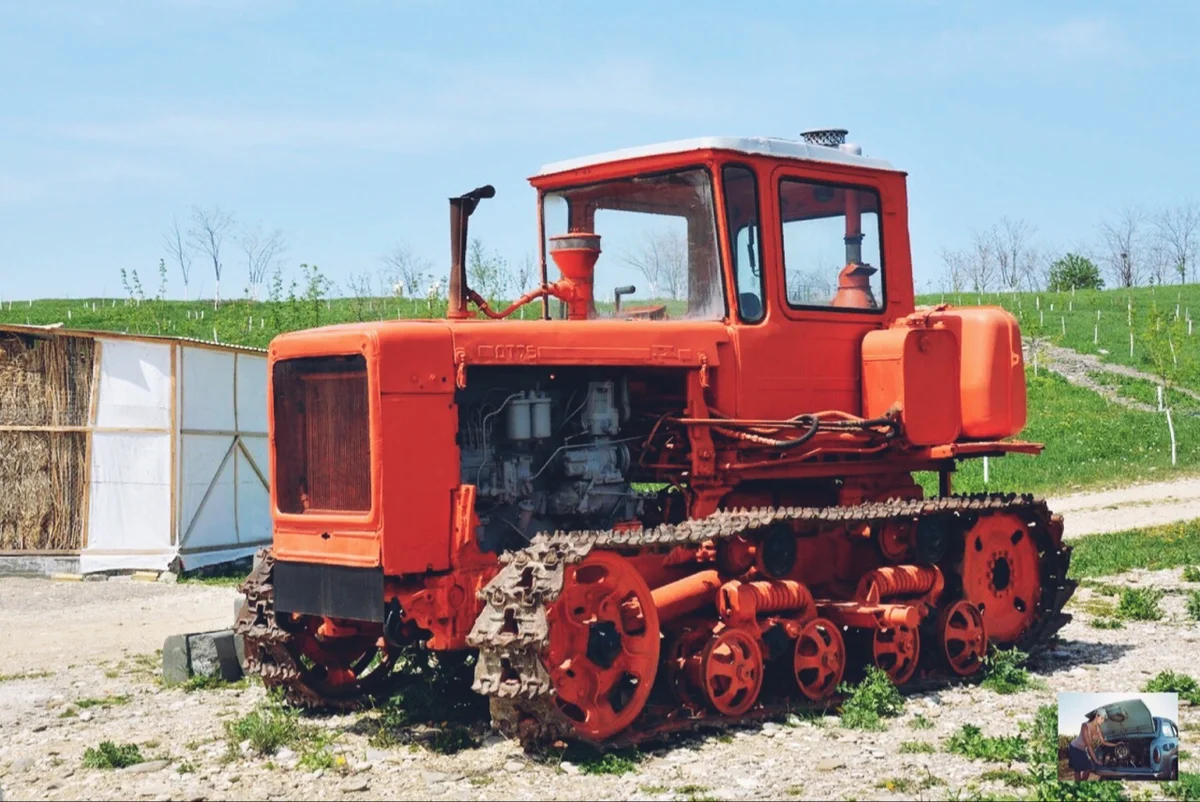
(743, 230)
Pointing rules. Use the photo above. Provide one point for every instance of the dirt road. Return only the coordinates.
(1134, 507)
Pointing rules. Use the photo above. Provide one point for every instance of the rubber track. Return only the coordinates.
(512, 631)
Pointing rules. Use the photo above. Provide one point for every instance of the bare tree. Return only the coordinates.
(1014, 252)
(524, 274)
(262, 251)
(1123, 239)
(663, 261)
(179, 251)
(957, 270)
(207, 235)
(981, 261)
(1178, 232)
(406, 271)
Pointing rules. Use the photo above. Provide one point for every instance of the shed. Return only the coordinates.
(126, 451)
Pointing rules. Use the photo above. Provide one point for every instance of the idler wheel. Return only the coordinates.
(819, 660)
(964, 637)
(603, 645)
(896, 650)
(731, 669)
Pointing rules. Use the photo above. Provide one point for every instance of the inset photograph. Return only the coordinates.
(1118, 736)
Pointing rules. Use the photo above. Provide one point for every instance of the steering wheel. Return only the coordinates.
(751, 307)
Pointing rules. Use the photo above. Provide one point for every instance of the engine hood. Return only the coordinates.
(1125, 719)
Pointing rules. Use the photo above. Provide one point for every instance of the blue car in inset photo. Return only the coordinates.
(1123, 741)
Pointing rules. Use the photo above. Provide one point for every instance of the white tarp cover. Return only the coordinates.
(222, 504)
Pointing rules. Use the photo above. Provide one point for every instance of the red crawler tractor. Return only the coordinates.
(649, 518)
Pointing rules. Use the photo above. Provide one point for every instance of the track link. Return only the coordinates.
(269, 647)
(512, 632)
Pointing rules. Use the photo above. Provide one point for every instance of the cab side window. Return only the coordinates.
(832, 252)
(745, 237)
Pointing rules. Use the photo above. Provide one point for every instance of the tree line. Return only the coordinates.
(1131, 248)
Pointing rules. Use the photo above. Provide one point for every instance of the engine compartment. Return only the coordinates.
(548, 450)
(1130, 753)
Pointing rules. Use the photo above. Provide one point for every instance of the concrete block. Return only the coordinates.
(239, 643)
(201, 654)
(177, 663)
(214, 654)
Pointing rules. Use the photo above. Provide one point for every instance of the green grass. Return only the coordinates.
(432, 689)
(1170, 682)
(1191, 573)
(1154, 548)
(909, 785)
(1140, 604)
(1010, 777)
(870, 701)
(268, 728)
(112, 756)
(919, 722)
(103, 701)
(1187, 789)
(213, 682)
(970, 742)
(1079, 314)
(916, 748)
(1004, 672)
(1107, 623)
(1146, 392)
(620, 762)
(24, 675)
(1089, 442)
(1193, 604)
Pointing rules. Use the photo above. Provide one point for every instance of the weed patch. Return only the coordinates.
(1005, 672)
(23, 675)
(870, 701)
(1191, 573)
(916, 748)
(919, 722)
(1140, 604)
(435, 690)
(1170, 682)
(1107, 623)
(103, 701)
(1186, 789)
(620, 762)
(109, 755)
(970, 742)
(213, 682)
(1010, 777)
(268, 729)
(1193, 604)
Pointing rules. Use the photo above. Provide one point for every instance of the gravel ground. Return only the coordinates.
(98, 640)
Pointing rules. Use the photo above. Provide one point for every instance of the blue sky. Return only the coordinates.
(349, 124)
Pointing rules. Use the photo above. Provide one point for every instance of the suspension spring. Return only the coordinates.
(744, 601)
(899, 580)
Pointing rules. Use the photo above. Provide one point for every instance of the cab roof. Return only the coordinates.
(755, 146)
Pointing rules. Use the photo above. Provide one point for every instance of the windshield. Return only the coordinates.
(658, 243)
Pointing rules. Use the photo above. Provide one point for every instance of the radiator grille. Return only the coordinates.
(322, 435)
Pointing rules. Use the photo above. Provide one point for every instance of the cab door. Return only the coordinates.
(834, 267)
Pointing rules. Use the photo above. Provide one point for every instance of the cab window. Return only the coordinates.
(745, 237)
(832, 254)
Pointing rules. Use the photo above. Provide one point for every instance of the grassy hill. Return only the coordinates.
(1089, 441)
(1100, 322)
